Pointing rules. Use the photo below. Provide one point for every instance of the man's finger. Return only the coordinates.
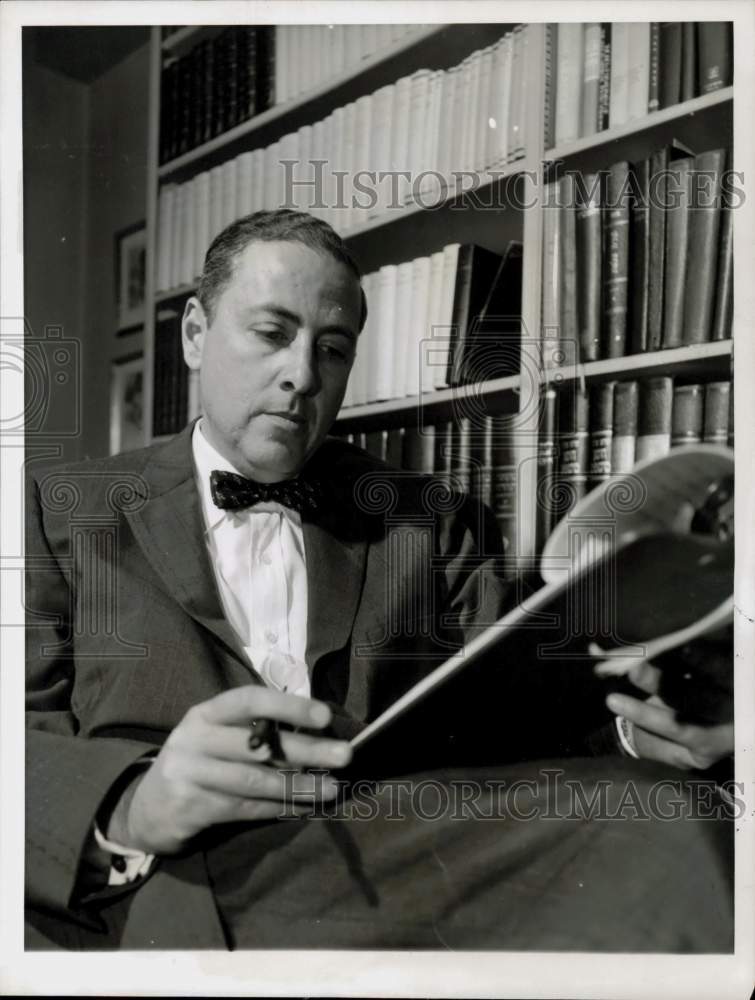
(240, 705)
(258, 781)
(645, 676)
(232, 743)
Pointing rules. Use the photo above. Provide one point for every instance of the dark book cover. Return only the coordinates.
(689, 61)
(724, 293)
(545, 518)
(573, 448)
(394, 447)
(476, 272)
(568, 258)
(232, 79)
(444, 451)
(219, 104)
(639, 258)
(493, 346)
(678, 213)
(654, 417)
(504, 483)
(198, 109)
(655, 66)
(551, 62)
(670, 63)
(703, 246)
(185, 89)
(588, 240)
(624, 442)
(208, 94)
(248, 78)
(168, 86)
(419, 449)
(604, 84)
(717, 407)
(481, 486)
(601, 433)
(461, 462)
(616, 259)
(265, 68)
(715, 50)
(375, 442)
(687, 415)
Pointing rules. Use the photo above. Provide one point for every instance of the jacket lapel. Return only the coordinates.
(169, 529)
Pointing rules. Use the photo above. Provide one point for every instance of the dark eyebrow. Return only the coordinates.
(292, 317)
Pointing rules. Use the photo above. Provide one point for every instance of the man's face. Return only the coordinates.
(275, 360)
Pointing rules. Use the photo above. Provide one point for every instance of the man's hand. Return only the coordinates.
(659, 736)
(206, 774)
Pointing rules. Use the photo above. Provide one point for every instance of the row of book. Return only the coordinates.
(220, 83)
(638, 257)
(587, 436)
(415, 140)
(602, 75)
(443, 320)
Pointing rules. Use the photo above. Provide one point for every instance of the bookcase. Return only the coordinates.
(505, 206)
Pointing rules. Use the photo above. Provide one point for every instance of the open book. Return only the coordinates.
(632, 574)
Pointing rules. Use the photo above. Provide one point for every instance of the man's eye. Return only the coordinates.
(274, 333)
(335, 351)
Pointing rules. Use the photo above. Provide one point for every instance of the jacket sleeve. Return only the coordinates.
(67, 776)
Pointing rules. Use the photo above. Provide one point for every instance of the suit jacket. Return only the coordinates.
(126, 633)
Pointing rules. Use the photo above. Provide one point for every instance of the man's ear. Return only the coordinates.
(193, 332)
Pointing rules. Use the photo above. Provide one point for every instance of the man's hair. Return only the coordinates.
(266, 227)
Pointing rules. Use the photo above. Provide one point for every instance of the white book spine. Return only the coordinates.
(473, 110)
(339, 51)
(362, 138)
(216, 201)
(400, 158)
(176, 237)
(569, 81)
(359, 374)
(387, 290)
(551, 277)
(294, 61)
(244, 183)
(433, 346)
(638, 70)
(429, 186)
(349, 141)
(319, 170)
(303, 172)
(289, 158)
(450, 267)
(202, 195)
(272, 166)
(337, 172)
(166, 208)
(281, 63)
(402, 330)
(328, 185)
(445, 132)
(508, 71)
(591, 79)
(373, 345)
(484, 109)
(230, 213)
(258, 180)
(188, 233)
(418, 325)
(380, 148)
(619, 101)
(493, 149)
(370, 40)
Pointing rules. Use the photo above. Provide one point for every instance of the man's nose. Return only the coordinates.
(301, 372)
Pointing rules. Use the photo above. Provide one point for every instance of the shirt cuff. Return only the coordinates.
(126, 863)
(625, 729)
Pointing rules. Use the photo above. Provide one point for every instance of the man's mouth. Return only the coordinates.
(286, 418)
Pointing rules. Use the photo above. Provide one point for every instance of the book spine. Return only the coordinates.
(715, 50)
(568, 81)
(546, 464)
(687, 415)
(394, 446)
(384, 374)
(248, 59)
(184, 105)
(654, 417)
(655, 67)
(616, 262)
(588, 240)
(604, 86)
(573, 445)
(677, 241)
(551, 64)
(718, 399)
(591, 79)
(503, 486)
(639, 253)
(444, 452)
(198, 57)
(568, 258)
(483, 455)
(619, 110)
(208, 93)
(689, 61)
(624, 443)
(638, 75)
(722, 317)
(551, 300)
(462, 453)
(703, 245)
(601, 433)
(670, 82)
(219, 117)
(658, 168)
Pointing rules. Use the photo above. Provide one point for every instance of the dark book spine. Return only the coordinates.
(551, 62)
(730, 439)
(715, 51)
(722, 317)
(184, 105)
(444, 451)
(462, 453)
(670, 82)
(687, 415)
(573, 449)
(265, 68)
(568, 270)
(460, 316)
(624, 443)
(503, 485)
(703, 246)
(546, 466)
(654, 417)
(601, 434)
(208, 93)
(616, 260)
(233, 71)
(198, 69)
(482, 462)
(657, 198)
(588, 265)
(219, 123)
(604, 84)
(249, 56)
(167, 110)
(394, 447)
(689, 61)
(718, 399)
(419, 449)
(639, 256)
(376, 444)
(677, 240)
(655, 65)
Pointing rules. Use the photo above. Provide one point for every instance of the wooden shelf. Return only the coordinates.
(695, 106)
(690, 361)
(280, 111)
(186, 38)
(436, 406)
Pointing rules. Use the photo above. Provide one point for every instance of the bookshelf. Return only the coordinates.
(411, 231)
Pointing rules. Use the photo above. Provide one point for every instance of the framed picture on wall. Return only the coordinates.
(130, 276)
(126, 410)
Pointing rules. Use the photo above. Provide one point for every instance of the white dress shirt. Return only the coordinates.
(259, 563)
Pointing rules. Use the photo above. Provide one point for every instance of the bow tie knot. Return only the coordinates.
(231, 491)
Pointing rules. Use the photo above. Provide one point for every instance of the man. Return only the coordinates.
(175, 605)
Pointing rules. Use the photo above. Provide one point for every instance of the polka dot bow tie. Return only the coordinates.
(233, 492)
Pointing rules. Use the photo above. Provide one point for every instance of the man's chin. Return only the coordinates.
(275, 462)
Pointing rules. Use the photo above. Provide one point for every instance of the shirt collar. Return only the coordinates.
(206, 459)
